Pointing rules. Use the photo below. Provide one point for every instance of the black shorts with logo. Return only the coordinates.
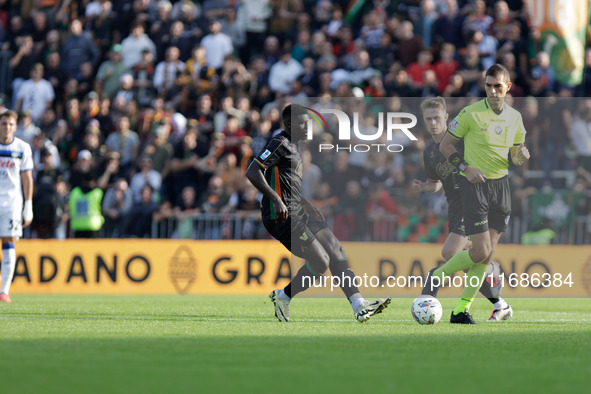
(486, 205)
(456, 222)
(296, 235)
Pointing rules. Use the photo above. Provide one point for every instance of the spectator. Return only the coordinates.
(409, 45)
(379, 205)
(159, 149)
(254, 15)
(125, 142)
(185, 212)
(161, 26)
(101, 25)
(115, 206)
(177, 38)
(581, 136)
(217, 45)
(477, 19)
(78, 49)
(417, 69)
(283, 73)
(423, 25)
(139, 218)
(111, 70)
(215, 199)
(35, 94)
(143, 75)
(134, 44)
(23, 60)
(446, 66)
(126, 91)
(448, 27)
(26, 129)
(146, 176)
(168, 71)
(543, 71)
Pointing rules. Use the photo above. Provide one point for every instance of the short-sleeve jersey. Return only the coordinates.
(488, 136)
(15, 158)
(438, 168)
(281, 161)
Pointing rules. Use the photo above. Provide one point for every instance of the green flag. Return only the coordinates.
(562, 25)
(559, 207)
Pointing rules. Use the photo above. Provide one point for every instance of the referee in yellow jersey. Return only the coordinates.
(490, 130)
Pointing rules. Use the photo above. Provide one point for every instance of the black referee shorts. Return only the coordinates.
(456, 222)
(486, 205)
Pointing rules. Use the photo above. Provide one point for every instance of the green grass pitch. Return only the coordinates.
(206, 344)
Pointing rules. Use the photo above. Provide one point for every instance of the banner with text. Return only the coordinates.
(257, 267)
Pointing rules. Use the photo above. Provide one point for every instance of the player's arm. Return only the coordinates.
(430, 186)
(255, 175)
(447, 148)
(312, 209)
(27, 182)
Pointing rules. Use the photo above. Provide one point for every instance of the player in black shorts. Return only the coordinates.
(441, 173)
(277, 173)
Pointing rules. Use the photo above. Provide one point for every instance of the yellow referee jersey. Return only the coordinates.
(488, 136)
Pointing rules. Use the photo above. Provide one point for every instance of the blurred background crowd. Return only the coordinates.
(150, 111)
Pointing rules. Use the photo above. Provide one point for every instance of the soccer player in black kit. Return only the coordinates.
(277, 173)
(441, 173)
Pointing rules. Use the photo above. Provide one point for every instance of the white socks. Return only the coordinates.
(284, 296)
(356, 301)
(8, 265)
(501, 304)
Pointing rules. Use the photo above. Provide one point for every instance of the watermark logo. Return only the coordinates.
(388, 122)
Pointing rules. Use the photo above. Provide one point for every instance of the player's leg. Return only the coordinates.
(316, 264)
(8, 265)
(491, 288)
(339, 267)
(300, 241)
(499, 220)
(454, 244)
(477, 255)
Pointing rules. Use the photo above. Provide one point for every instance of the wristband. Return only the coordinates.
(28, 211)
(457, 161)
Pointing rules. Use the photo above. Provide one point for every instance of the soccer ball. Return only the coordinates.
(426, 309)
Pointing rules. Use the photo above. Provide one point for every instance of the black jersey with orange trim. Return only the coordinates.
(282, 163)
(438, 168)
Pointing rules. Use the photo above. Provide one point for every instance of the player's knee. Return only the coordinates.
(479, 253)
(319, 261)
(447, 253)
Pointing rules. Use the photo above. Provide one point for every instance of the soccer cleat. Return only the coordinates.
(281, 307)
(5, 297)
(430, 288)
(371, 308)
(462, 318)
(501, 314)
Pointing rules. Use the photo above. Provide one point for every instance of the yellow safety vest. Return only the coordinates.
(85, 210)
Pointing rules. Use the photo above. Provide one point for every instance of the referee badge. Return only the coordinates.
(507, 219)
(498, 130)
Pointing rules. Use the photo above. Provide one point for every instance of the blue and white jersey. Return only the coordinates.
(15, 158)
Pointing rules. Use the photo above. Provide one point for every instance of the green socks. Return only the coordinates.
(459, 262)
(474, 280)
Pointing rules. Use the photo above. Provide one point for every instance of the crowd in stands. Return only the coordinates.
(159, 106)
